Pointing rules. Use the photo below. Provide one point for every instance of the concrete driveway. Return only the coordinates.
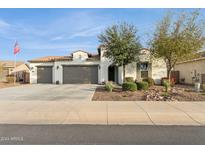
(48, 92)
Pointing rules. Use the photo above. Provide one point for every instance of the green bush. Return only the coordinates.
(129, 79)
(143, 85)
(166, 85)
(129, 86)
(166, 94)
(172, 81)
(109, 86)
(150, 81)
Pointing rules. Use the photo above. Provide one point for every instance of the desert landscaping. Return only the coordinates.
(154, 93)
(6, 85)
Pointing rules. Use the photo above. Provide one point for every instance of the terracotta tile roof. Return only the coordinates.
(9, 63)
(47, 59)
(62, 58)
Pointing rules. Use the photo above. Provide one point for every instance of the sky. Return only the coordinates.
(59, 32)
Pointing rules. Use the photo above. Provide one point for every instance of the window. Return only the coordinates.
(143, 66)
(144, 70)
(144, 74)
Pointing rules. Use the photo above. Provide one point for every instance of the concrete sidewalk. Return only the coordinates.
(105, 113)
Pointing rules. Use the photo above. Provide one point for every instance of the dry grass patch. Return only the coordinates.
(6, 85)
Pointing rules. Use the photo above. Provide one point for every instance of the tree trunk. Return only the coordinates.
(169, 73)
(123, 73)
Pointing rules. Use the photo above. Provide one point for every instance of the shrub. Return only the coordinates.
(109, 86)
(166, 94)
(129, 79)
(172, 81)
(166, 85)
(150, 81)
(142, 85)
(163, 79)
(129, 86)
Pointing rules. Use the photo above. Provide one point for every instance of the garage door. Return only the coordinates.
(44, 74)
(80, 74)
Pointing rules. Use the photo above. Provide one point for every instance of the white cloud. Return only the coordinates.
(57, 38)
(88, 32)
(56, 46)
(4, 24)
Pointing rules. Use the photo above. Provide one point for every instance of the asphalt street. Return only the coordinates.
(101, 134)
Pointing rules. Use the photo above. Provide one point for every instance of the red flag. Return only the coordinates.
(16, 48)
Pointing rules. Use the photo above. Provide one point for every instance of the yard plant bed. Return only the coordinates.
(176, 93)
(154, 93)
(117, 95)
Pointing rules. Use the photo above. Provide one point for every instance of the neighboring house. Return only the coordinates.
(7, 68)
(22, 73)
(82, 67)
(191, 68)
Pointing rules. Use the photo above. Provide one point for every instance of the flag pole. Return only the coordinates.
(14, 68)
(16, 50)
(15, 64)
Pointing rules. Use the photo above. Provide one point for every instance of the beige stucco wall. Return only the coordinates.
(156, 69)
(80, 55)
(104, 64)
(130, 70)
(187, 69)
(159, 70)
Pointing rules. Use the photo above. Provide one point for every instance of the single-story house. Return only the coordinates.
(22, 73)
(83, 67)
(7, 68)
(191, 68)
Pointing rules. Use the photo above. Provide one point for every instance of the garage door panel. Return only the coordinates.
(94, 77)
(44, 74)
(80, 74)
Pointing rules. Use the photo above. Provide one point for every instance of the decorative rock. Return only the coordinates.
(155, 95)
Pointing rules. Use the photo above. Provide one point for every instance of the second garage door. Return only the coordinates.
(80, 74)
